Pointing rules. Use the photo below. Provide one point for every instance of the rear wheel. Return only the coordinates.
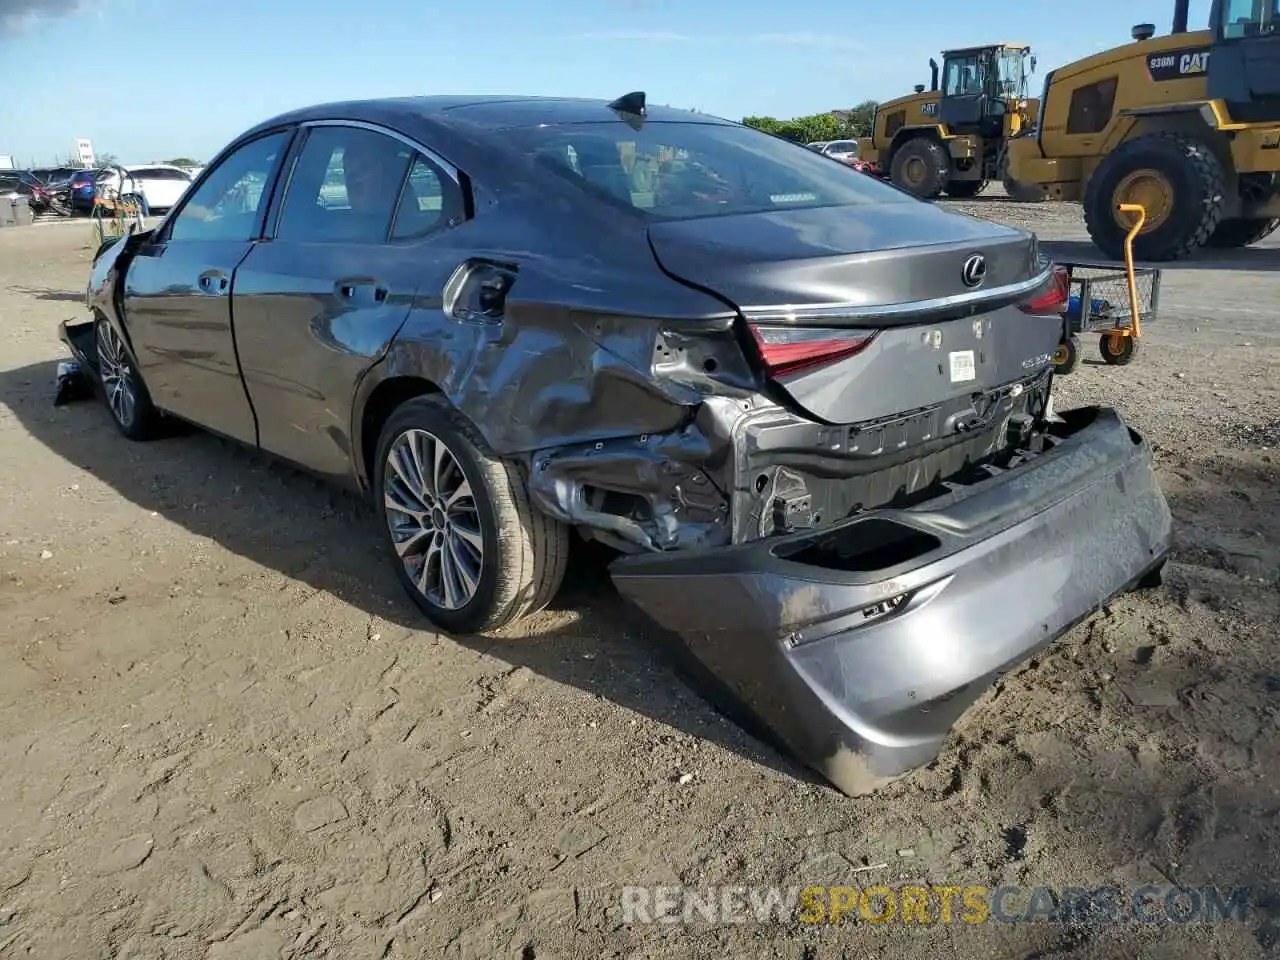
(1117, 349)
(921, 167)
(1242, 233)
(471, 551)
(964, 189)
(1177, 180)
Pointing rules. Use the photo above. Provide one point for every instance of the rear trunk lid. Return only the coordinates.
(864, 312)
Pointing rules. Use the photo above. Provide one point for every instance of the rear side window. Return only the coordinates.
(344, 187)
(431, 201)
(677, 171)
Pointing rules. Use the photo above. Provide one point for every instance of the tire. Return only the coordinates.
(123, 391)
(934, 173)
(1118, 351)
(522, 552)
(964, 189)
(1191, 175)
(1242, 233)
(1067, 357)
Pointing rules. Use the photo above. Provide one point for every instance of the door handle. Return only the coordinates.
(361, 289)
(214, 281)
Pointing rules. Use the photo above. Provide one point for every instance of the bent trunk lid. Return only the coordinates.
(896, 271)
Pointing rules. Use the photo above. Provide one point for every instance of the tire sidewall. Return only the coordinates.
(423, 413)
(1190, 193)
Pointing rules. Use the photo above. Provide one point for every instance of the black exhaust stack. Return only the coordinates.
(1181, 10)
(933, 71)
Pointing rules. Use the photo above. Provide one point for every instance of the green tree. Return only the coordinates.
(859, 120)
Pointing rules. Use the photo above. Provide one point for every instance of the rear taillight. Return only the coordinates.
(786, 350)
(1054, 297)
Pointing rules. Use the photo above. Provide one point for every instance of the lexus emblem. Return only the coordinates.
(974, 270)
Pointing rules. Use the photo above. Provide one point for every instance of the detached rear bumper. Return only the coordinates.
(861, 644)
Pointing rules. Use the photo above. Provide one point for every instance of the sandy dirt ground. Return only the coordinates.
(225, 734)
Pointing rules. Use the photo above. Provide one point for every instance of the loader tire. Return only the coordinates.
(1242, 233)
(921, 167)
(1178, 179)
(965, 189)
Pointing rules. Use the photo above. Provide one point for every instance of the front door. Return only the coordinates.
(319, 302)
(178, 293)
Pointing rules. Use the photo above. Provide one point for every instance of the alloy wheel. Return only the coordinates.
(116, 374)
(433, 519)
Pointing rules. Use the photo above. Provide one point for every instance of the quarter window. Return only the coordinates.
(344, 187)
(229, 202)
(430, 201)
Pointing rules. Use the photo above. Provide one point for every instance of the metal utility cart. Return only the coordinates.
(1111, 300)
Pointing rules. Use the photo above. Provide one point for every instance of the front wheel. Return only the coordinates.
(921, 167)
(125, 394)
(1178, 180)
(467, 545)
(1117, 349)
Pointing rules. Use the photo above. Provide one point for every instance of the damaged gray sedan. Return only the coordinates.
(809, 412)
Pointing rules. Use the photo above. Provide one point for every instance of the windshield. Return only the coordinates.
(678, 171)
(1249, 18)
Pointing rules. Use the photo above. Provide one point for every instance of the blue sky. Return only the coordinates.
(153, 79)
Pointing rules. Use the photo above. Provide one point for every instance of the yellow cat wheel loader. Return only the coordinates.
(1186, 125)
(951, 139)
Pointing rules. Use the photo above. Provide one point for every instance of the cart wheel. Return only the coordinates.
(1066, 356)
(1117, 349)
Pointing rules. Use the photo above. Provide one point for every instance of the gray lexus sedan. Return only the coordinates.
(809, 412)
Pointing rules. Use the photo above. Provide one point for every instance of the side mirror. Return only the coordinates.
(1033, 63)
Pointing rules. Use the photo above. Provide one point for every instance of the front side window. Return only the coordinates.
(1249, 18)
(963, 76)
(227, 206)
(1011, 74)
(677, 171)
(344, 187)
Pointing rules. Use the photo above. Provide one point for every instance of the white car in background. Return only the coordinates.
(842, 150)
(160, 184)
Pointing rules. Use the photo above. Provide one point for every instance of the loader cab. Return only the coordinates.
(1244, 66)
(980, 84)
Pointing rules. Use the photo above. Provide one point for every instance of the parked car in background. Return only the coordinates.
(843, 150)
(160, 185)
(41, 197)
(80, 188)
(809, 412)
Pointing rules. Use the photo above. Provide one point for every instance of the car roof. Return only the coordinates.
(491, 112)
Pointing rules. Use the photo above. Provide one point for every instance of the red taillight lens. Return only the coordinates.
(1054, 297)
(786, 350)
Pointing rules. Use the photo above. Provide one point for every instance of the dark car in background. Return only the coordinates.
(809, 412)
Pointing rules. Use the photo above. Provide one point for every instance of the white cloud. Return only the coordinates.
(643, 36)
(17, 15)
(806, 39)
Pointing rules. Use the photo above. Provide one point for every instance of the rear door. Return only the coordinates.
(178, 291)
(319, 302)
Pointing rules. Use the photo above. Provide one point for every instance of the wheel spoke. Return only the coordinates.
(470, 536)
(413, 543)
(409, 484)
(468, 578)
(441, 462)
(463, 492)
(449, 580)
(424, 577)
(416, 441)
